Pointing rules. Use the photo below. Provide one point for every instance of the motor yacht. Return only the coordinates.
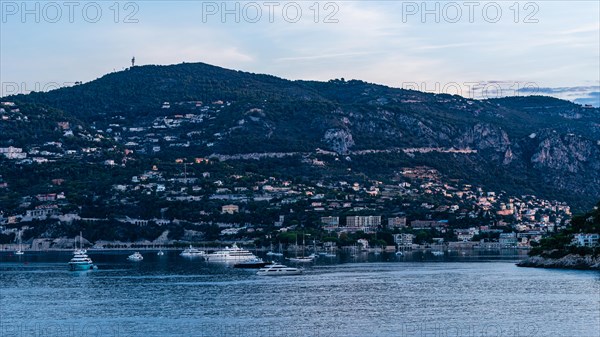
(80, 261)
(278, 270)
(230, 254)
(193, 252)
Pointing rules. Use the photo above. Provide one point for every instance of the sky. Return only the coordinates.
(476, 49)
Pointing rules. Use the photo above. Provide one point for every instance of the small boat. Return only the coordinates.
(399, 254)
(278, 270)
(20, 250)
(160, 253)
(328, 253)
(437, 253)
(193, 252)
(273, 253)
(135, 257)
(252, 264)
(324, 254)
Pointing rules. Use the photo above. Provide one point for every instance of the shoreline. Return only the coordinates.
(258, 249)
(571, 261)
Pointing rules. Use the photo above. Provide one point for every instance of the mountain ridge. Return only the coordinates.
(535, 140)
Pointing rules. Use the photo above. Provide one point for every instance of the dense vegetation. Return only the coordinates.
(262, 113)
(560, 244)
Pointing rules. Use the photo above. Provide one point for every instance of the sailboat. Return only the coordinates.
(303, 258)
(329, 252)
(272, 253)
(20, 250)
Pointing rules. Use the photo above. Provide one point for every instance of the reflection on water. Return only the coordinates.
(418, 294)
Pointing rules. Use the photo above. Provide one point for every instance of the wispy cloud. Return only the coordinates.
(324, 56)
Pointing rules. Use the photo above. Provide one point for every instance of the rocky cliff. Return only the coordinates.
(571, 261)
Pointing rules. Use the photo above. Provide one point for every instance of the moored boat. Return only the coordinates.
(304, 259)
(80, 261)
(230, 254)
(20, 250)
(193, 252)
(135, 257)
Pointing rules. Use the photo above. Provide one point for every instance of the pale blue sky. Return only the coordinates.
(385, 42)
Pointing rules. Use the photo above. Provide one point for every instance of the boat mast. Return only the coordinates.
(303, 244)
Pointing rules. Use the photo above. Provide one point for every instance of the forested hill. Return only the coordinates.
(534, 144)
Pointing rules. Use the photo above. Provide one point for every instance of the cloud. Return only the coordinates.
(578, 94)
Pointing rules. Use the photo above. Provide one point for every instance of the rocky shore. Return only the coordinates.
(571, 261)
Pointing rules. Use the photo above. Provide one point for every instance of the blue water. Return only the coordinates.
(382, 296)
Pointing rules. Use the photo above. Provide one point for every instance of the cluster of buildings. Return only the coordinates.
(175, 128)
(415, 198)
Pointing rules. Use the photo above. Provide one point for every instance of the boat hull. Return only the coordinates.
(228, 259)
(80, 266)
(280, 273)
(251, 265)
(302, 260)
(192, 255)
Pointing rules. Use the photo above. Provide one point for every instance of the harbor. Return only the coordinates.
(414, 295)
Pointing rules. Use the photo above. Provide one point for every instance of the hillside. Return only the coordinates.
(523, 145)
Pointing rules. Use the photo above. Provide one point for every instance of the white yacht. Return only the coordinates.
(135, 257)
(278, 270)
(80, 261)
(230, 254)
(193, 252)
